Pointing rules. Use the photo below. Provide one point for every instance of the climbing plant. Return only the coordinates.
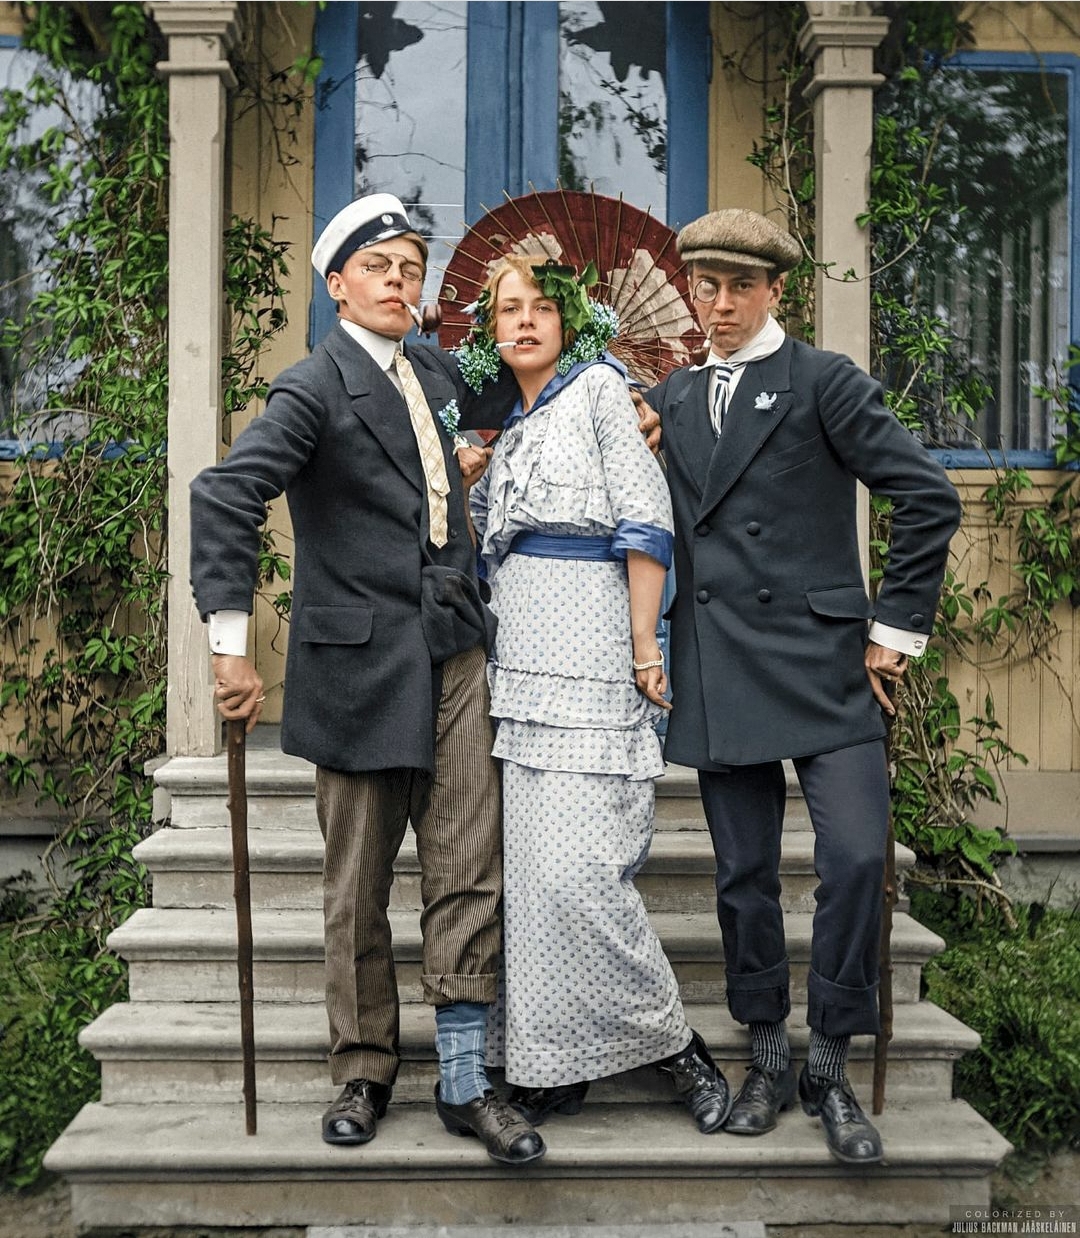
(945, 763)
(83, 547)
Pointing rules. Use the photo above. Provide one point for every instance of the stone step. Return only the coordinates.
(161, 1052)
(135, 1165)
(190, 955)
(193, 868)
(281, 792)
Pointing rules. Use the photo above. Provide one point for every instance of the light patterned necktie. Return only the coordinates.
(427, 439)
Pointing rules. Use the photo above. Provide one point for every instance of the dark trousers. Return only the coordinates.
(847, 796)
(456, 817)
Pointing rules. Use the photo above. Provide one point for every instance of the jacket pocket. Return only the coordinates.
(840, 602)
(795, 457)
(335, 625)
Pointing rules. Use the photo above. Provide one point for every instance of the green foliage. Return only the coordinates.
(83, 543)
(53, 982)
(1019, 988)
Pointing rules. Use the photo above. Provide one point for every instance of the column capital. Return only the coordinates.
(838, 40)
(200, 36)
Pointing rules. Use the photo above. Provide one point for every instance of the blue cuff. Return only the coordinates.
(657, 543)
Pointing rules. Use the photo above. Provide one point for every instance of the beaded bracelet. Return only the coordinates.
(646, 666)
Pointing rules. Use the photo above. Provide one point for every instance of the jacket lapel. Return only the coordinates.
(378, 404)
(760, 402)
(688, 434)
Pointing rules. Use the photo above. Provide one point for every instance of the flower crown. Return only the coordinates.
(594, 325)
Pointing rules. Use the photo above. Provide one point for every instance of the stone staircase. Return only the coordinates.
(166, 1144)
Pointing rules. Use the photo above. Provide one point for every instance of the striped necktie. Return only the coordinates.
(427, 439)
(721, 395)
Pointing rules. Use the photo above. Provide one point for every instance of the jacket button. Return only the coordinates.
(702, 530)
(764, 595)
(753, 528)
(703, 595)
(453, 532)
(917, 620)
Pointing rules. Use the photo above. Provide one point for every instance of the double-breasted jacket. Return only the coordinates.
(769, 622)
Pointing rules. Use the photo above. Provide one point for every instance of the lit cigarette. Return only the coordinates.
(416, 315)
(507, 344)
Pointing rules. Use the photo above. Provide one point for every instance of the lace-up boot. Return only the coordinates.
(763, 1095)
(851, 1136)
(701, 1087)
(509, 1139)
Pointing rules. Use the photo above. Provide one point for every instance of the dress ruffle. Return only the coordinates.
(633, 753)
(558, 700)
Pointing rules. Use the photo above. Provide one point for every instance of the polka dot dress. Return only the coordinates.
(588, 990)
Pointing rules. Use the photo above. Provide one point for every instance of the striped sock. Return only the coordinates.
(771, 1050)
(460, 1034)
(828, 1056)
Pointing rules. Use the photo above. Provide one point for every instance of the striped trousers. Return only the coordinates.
(456, 816)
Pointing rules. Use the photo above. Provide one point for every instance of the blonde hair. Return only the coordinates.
(519, 264)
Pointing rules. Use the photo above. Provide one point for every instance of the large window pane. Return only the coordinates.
(29, 221)
(410, 117)
(613, 100)
(996, 265)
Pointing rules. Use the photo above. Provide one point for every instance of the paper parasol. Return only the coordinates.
(641, 275)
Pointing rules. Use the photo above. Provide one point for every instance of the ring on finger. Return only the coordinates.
(259, 700)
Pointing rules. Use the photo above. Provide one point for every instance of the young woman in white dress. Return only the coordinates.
(573, 521)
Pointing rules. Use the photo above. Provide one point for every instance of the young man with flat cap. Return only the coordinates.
(771, 653)
(385, 688)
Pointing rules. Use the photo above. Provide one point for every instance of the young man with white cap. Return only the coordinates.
(385, 688)
(771, 654)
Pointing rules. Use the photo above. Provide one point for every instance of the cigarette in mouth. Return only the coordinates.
(507, 344)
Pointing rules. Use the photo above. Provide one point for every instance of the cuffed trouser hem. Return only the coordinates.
(445, 990)
(835, 1010)
(363, 1064)
(761, 996)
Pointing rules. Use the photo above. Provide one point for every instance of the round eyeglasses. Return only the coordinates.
(411, 272)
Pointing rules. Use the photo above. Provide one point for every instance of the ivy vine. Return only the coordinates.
(83, 528)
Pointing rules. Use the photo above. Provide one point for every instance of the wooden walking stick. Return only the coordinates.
(235, 749)
(885, 993)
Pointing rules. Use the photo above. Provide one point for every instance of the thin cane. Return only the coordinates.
(235, 748)
(885, 988)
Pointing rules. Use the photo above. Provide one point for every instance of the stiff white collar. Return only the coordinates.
(764, 344)
(380, 348)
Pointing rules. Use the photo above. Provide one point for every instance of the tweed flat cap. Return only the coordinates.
(364, 222)
(741, 237)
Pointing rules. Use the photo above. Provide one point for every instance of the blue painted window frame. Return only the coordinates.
(10, 448)
(513, 53)
(1067, 64)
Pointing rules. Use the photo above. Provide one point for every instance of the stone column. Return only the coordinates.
(838, 40)
(199, 38)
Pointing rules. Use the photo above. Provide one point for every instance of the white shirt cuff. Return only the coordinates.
(911, 643)
(228, 632)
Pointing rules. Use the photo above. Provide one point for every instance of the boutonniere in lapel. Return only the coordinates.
(765, 401)
(450, 416)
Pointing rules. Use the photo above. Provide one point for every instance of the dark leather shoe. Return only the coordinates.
(701, 1087)
(536, 1104)
(851, 1136)
(763, 1095)
(352, 1117)
(509, 1139)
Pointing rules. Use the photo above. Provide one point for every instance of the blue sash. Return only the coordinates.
(545, 546)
